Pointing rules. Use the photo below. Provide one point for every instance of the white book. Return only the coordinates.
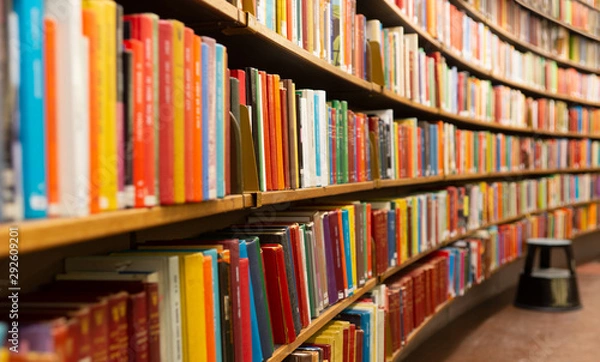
(168, 289)
(303, 167)
(323, 136)
(72, 108)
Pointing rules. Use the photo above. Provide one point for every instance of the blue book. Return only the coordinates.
(433, 153)
(392, 256)
(257, 355)
(205, 120)
(260, 296)
(347, 252)
(31, 107)
(220, 53)
(270, 21)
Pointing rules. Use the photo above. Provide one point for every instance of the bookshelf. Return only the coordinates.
(557, 21)
(505, 35)
(248, 41)
(49, 233)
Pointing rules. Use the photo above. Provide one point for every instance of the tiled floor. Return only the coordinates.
(496, 331)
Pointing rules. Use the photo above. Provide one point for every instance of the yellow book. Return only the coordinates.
(179, 111)
(329, 340)
(281, 23)
(106, 13)
(403, 230)
(338, 349)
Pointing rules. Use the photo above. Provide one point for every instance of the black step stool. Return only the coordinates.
(546, 288)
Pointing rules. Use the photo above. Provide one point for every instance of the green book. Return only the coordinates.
(338, 140)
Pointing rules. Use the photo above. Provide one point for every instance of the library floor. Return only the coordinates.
(496, 331)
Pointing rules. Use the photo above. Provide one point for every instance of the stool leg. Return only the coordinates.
(545, 258)
(531, 249)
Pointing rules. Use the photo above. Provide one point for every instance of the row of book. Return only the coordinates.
(211, 298)
(565, 222)
(557, 116)
(379, 324)
(110, 111)
(571, 12)
(476, 43)
(426, 78)
(540, 32)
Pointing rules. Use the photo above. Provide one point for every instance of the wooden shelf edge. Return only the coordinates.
(44, 234)
(477, 15)
(559, 22)
(283, 351)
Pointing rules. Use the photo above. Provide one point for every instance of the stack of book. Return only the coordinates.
(566, 222)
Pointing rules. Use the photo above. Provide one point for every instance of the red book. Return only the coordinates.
(266, 126)
(240, 75)
(359, 338)
(380, 236)
(346, 345)
(360, 148)
(245, 305)
(139, 148)
(189, 115)
(272, 131)
(280, 307)
(352, 343)
(166, 114)
(142, 29)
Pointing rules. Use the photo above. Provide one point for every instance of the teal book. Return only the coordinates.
(32, 134)
(347, 251)
(261, 303)
(222, 118)
(310, 266)
(257, 355)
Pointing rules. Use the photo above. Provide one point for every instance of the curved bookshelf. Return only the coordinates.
(505, 35)
(49, 233)
(283, 351)
(390, 15)
(557, 21)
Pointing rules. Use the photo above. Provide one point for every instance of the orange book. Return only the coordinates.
(51, 115)
(139, 105)
(197, 129)
(500, 202)
(431, 17)
(211, 352)
(266, 136)
(90, 30)
(189, 114)
(278, 133)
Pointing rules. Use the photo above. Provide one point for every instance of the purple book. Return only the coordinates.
(330, 261)
(38, 337)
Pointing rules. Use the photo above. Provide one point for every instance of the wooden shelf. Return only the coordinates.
(283, 351)
(558, 22)
(44, 234)
(506, 36)
(390, 15)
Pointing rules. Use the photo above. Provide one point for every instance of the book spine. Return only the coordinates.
(166, 147)
(178, 140)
